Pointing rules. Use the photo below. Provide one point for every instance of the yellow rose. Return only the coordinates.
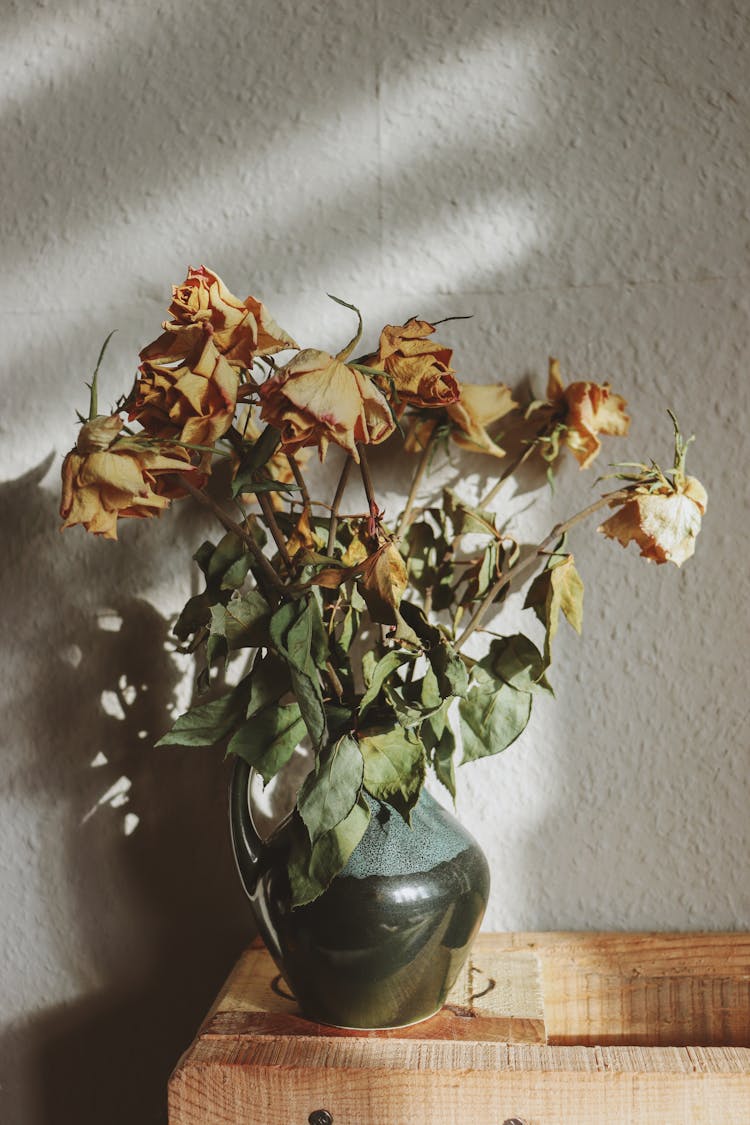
(107, 477)
(241, 329)
(193, 402)
(585, 410)
(418, 369)
(316, 399)
(664, 524)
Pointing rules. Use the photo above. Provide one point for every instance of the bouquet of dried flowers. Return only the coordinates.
(354, 625)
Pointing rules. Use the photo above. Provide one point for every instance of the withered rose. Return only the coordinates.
(663, 524)
(478, 407)
(193, 402)
(107, 477)
(316, 399)
(585, 410)
(241, 329)
(418, 369)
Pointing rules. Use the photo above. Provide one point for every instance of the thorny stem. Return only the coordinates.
(364, 469)
(338, 497)
(508, 472)
(405, 519)
(231, 525)
(531, 561)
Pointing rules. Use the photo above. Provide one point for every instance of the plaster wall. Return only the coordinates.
(577, 177)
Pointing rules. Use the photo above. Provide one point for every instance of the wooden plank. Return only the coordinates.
(674, 1009)
(649, 989)
(281, 1082)
(497, 996)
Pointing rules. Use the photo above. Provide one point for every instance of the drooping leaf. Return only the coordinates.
(450, 671)
(492, 715)
(394, 766)
(382, 583)
(291, 633)
(268, 740)
(270, 680)
(209, 723)
(559, 587)
(331, 790)
(313, 868)
(440, 743)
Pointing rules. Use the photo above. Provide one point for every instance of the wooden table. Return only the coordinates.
(541, 1029)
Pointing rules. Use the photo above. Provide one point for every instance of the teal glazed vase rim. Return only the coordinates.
(383, 945)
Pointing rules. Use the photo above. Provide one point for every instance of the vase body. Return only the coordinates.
(382, 946)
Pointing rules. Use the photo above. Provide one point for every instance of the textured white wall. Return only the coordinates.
(576, 176)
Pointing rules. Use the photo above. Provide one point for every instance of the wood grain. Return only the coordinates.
(644, 1029)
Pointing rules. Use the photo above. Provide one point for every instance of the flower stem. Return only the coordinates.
(508, 472)
(300, 480)
(229, 524)
(338, 497)
(405, 520)
(269, 516)
(531, 561)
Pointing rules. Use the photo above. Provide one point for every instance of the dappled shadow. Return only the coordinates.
(141, 905)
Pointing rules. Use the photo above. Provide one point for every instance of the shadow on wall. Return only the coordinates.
(143, 919)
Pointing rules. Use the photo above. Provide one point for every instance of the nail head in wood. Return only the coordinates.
(320, 1117)
(514, 1121)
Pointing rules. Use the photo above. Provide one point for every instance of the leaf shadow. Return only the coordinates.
(146, 923)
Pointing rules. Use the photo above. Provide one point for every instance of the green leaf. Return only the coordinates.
(204, 554)
(247, 484)
(493, 715)
(330, 791)
(440, 741)
(243, 621)
(230, 548)
(291, 631)
(450, 670)
(312, 869)
(384, 668)
(394, 767)
(518, 662)
(209, 723)
(269, 680)
(268, 740)
(465, 519)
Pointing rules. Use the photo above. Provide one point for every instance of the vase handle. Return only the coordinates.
(250, 851)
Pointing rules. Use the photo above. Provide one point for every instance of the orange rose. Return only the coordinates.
(418, 369)
(193, 402)
(585, 410)
(241, 329)
(664, 524)
(316, 399)
(107, 477)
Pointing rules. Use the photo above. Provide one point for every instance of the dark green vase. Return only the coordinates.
(384, 944)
